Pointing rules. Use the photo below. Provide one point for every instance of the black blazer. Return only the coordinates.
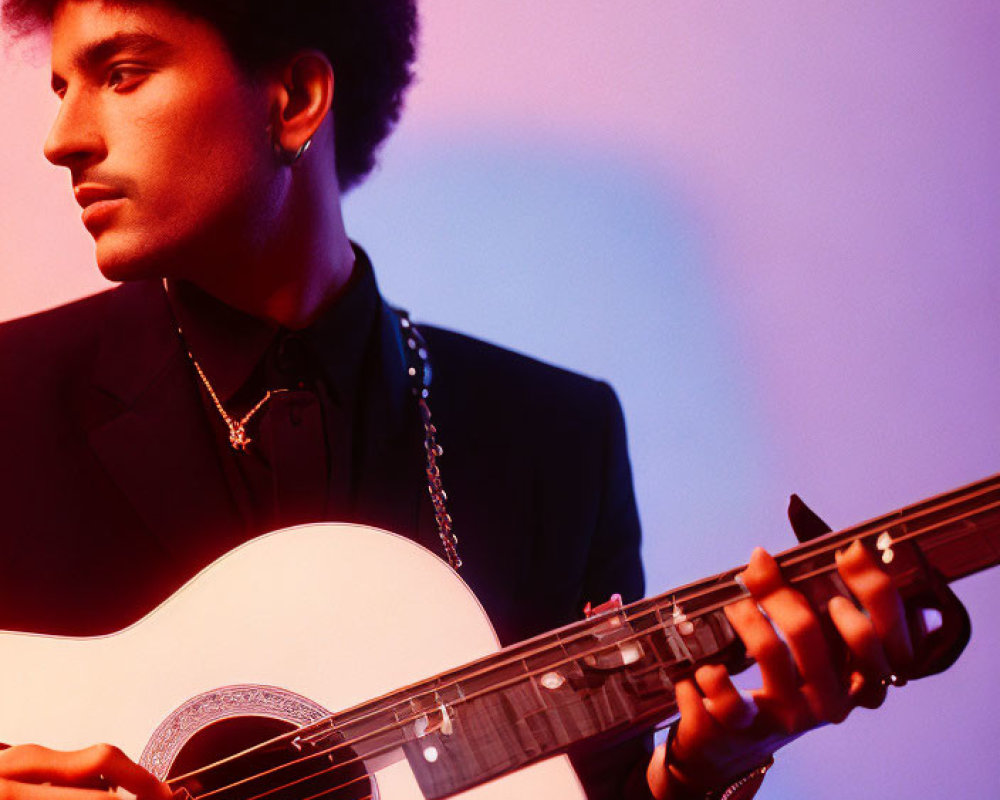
(114, 494)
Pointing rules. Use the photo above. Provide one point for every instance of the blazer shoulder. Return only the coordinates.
(487, 387)
(67, 327)
(482, 364)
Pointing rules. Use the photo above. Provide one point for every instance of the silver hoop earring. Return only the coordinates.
(287, 157)
(305, 146)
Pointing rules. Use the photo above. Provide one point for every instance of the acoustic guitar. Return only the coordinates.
(269, 676)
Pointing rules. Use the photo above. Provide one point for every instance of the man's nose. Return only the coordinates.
(75, 137)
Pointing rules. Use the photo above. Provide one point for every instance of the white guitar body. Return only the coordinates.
(333, 614)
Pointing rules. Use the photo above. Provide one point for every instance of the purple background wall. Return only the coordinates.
(773, 228)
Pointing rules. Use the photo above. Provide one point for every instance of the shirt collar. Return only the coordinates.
(232, 346)
(339, 338)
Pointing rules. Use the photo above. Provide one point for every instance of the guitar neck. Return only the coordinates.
(956, 533)
(614, 673)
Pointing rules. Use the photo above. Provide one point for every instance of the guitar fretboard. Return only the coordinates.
(614, 673)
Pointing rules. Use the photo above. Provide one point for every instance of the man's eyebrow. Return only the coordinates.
(96, 53)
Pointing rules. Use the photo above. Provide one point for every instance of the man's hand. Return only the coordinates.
(723, 733)
(32, 772)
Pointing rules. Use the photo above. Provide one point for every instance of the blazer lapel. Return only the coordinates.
(392, 490)
(159, 447)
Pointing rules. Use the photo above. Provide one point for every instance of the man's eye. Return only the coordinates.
(125, 78)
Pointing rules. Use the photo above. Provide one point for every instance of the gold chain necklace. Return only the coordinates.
(237, 428)
(238, 437)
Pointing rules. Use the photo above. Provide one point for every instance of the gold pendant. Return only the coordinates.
(238, 436)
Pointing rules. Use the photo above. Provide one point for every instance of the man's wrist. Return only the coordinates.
(743, 788)
(679, 786)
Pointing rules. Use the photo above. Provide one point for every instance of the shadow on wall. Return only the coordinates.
(586, 262)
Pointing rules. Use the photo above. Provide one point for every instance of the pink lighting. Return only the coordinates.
(772, 227)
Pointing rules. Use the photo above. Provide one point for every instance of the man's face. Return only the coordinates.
(165, 139)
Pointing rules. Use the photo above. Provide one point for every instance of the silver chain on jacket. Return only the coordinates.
(420, 374)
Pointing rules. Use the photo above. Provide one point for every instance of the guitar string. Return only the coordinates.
(681, 595)
(337, 788)
(328, 754)
(330, 789)
(326, 791)
(798, 554)
(856, 532)
(399, 724)
(528, 674)
(356, 759)
(520, 678)
(584, 629)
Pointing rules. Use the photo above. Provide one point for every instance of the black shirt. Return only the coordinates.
(304, 459)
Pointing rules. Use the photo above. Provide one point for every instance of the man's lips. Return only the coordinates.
(87, 194)
(98, 203)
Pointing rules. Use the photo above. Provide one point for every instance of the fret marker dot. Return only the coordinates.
(552, 680)
(884, 544)
(632, 652)
(430, 754)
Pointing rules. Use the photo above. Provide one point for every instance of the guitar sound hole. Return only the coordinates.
(280, 771)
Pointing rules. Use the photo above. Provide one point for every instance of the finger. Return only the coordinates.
(780, 696)
(723, 701)
(91, 766)
(858, 633)
(876, 592)
(800, 628)
(696, 724)
(868, 681)
(13, 790)
(866, 691)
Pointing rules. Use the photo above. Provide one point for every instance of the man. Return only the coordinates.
(249, 376)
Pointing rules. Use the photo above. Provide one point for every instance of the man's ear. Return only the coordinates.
(302, 100)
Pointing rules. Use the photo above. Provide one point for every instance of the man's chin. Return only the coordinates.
(122, 271)
(126, 264)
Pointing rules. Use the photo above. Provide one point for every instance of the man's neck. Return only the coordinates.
(293, 269)
(297, 288)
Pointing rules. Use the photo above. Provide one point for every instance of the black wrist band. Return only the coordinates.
(743, 787)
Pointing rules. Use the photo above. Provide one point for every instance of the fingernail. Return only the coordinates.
(749, 711)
